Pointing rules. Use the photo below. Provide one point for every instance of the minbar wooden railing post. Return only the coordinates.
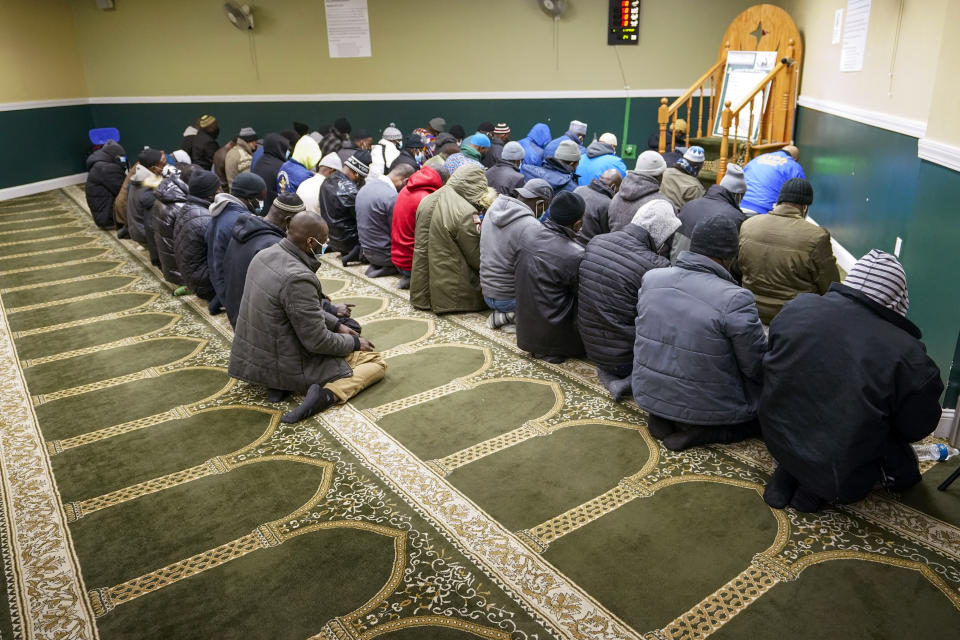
(663, 116)
(725, 117)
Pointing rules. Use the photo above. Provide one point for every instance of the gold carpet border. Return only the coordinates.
(525, 573)
(124, 288)
(42, 557)
(28, 254)
(136, 310)
(55, 265)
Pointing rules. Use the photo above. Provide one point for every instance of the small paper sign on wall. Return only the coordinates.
(855, 35)
(348, 28)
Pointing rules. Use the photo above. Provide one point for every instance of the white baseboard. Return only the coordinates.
(938, 152)
(898, 124)
(41, 186)
(945, 427)
(845, 259)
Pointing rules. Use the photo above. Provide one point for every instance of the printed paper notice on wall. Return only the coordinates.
(855, 35)
(837, 26)
(348, 28)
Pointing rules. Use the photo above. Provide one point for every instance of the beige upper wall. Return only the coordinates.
(914, 54)
(417, 46)
(944, 122)
(38, 52)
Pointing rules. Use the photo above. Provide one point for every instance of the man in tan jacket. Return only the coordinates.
(783, 255)
(240, 155)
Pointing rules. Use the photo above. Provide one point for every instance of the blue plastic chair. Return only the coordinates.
(100, 137)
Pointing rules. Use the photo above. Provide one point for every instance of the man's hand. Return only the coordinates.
(344, 310)
(342, 328)
(366, 345)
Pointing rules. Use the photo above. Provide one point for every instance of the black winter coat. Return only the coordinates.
(843, 378)
(105, 174)
(492, 156)
(204, 148)
(190, 246)
(504, 177)
(251, 235)
(141, 206)
(716, 201)
(338, 198)
(547, 282)
(596, 198)
(275, 148)
(171, 195)
(613, 266)
(635, 191)
(346, 150)
(405, 157)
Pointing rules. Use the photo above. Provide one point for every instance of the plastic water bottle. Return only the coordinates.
(935, 452)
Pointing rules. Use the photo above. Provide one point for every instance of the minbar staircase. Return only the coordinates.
(760, 28)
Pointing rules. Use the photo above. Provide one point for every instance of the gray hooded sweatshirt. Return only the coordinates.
(499, 245)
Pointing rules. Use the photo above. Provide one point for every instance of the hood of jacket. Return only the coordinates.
(506, 210)
(306, 153)
(109, 152)
(600, 187)
(221, 201)
(597, 149)
(540, 134)
(696, 262)
(426, 179)
(251, 226)
(276, 146)
(636, 186)
(470, 183)
(172, 189)
(716, 192)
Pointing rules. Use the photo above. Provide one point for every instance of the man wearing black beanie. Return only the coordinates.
(783, 255)
(698, 355)
(548, 266)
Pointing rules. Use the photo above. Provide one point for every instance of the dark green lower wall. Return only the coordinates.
(44, 143)
(869, 188)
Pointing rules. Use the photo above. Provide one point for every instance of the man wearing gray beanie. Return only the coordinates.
(575, 133)
(720, 199)
(559, 169)
(505, 176)
(783, 255)
(848, 386)
(698, 355)
(639, 186)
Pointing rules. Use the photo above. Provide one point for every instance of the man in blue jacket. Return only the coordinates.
(600, 156)
(575, 133)
(765, 175)
(559, 170)
(698, 355)
(246, 195)
(537, 139)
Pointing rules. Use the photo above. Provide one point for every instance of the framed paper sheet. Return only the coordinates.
(744, 71)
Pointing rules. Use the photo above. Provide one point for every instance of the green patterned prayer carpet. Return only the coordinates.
(475, 492)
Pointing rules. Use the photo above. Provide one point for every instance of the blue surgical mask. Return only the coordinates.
(287, 155)
(323, 249)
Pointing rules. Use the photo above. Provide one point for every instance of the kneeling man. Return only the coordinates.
(285, 341)
(698, 355)
(847, 386)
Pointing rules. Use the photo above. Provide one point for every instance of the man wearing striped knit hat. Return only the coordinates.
(499, 137)
(847, 387)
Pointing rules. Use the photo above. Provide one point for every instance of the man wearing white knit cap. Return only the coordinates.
(598, 158)
(309, 189)
(847, 386)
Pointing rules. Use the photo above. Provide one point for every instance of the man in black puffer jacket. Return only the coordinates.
(275, 148)
(721, 199)
(613, 266)
(190, 236)
(171, 194)
(338, 204)
(106, 169)
(141, 199)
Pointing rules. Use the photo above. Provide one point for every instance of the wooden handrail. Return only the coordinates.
(665, 111)
(693, 88)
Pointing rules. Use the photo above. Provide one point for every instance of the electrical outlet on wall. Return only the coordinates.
(629, 151)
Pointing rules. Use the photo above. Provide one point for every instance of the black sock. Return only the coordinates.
(352, 256)
(659, 427)
(780, 488)
(276, 395)
(805, 501)
(316, 400)
(404, 282)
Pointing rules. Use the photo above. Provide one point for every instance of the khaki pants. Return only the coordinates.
(369, 367)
